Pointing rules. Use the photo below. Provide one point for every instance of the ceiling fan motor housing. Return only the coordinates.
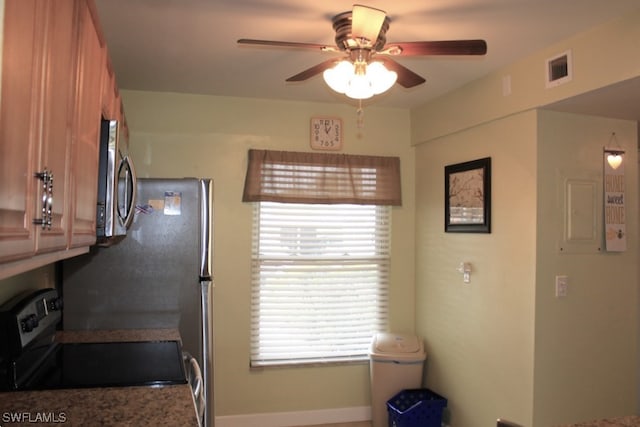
(344, 37)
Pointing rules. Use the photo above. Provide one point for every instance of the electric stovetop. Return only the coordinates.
(110, 364)
(31, 359)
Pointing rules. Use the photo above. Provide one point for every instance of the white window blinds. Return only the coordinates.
(320, 263)
(319, 284)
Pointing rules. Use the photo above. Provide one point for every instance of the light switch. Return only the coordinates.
(562, 286)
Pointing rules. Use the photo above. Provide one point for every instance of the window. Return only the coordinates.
(320, 277)
(321, 254)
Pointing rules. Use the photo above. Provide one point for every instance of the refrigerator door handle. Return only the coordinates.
(195, 379)
(206, 214)
(207, 348)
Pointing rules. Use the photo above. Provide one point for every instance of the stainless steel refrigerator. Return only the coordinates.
(159, 276)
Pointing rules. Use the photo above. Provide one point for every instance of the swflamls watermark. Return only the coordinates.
(33, 417)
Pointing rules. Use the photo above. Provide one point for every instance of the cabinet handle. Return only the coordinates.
(47, 199)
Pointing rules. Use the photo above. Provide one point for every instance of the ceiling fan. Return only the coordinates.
(361, 35)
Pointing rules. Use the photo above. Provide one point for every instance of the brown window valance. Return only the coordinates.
(307, 177)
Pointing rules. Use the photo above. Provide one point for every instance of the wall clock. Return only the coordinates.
(326, 133)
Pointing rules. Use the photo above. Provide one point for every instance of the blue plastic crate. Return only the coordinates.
(419, 407)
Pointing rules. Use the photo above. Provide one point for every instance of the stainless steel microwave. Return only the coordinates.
(116, 185)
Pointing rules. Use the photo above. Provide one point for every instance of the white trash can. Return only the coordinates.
(396, 363)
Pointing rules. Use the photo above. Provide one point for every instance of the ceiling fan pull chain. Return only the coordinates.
(360, 115)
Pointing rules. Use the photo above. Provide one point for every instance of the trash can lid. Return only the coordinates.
(389, 346)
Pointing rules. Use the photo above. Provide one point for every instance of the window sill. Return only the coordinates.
(258, 366)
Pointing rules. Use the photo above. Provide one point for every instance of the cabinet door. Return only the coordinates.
(109, 92)
(86, 134)
(18, 118)
(57, 111)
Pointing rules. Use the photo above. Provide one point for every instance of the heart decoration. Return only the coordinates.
(614, 160)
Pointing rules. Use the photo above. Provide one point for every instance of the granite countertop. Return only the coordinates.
(109, 335)
(628, 421)
(114, 406)
(109, 406)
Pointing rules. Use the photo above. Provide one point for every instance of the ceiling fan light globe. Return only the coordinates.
(381, 79)
(359, 87)
(333, 81)
(338, 77)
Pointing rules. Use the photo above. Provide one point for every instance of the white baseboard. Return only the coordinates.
(290, 419)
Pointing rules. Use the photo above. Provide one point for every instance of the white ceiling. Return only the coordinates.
(190, 46)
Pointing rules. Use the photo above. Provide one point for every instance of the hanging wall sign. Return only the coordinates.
(614, 200)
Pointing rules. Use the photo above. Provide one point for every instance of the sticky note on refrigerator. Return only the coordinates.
(154, 205)
(172, 202)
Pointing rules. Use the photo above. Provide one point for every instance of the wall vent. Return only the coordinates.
(559, 69)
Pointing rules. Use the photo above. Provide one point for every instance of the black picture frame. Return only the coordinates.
(467, 197)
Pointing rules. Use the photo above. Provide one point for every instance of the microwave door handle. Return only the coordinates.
(134, 189)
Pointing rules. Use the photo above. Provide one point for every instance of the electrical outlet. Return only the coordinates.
(562, 286)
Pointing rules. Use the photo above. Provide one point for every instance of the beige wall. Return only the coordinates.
(586, 355)
(480, 336)
(183, 135)
(504, 345)
(602, 56)
(42, 277)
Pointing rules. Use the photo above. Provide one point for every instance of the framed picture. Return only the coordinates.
(467, 197)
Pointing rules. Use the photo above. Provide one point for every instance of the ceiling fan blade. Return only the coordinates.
(406, 77)
(321, 47)
(446, 47)
(366, 22)
(315, 70)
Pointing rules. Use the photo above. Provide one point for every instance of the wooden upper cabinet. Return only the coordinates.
(35, 126)
(58, 89)
(110, 94)
(86, 135)
(52, 99)
(18, 126)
